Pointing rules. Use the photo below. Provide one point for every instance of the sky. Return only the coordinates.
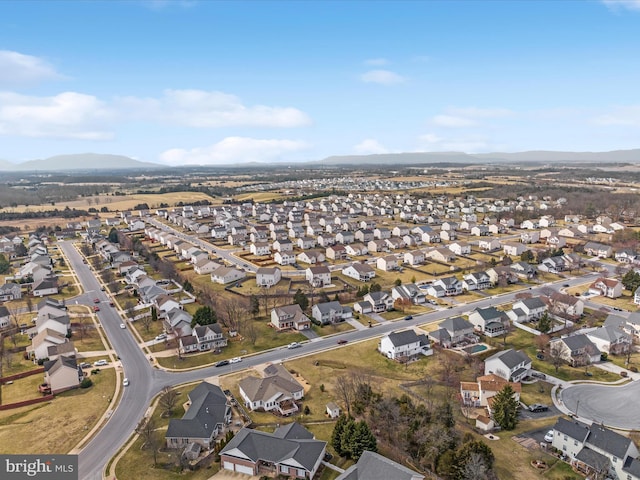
(191, 82)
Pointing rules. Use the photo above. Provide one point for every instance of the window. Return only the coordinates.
(575, 443)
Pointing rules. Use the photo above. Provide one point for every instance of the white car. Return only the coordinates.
(100, 363)
(125, 382)
(294, 345)
(549, 436)
(235, 360)
(122, 325)
(162, 336)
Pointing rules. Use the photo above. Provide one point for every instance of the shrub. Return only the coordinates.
(86, 383)
(634, 369)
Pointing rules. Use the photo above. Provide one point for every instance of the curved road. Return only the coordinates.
(146, 381)
(614, 406)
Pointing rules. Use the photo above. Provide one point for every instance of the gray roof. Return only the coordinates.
(51, 366)
(608, 333)
(455, 324)
(574, 429)
(608, 441)
(533, 303)
(632, 466)
(277, 381)
(440, 335)
(510, 357)
(489, 313)
(327, 307)
(208, 409)
(373, 466)
(403, 338)
(293, 431)
(257, 445)
(578, 342)
(594, 459)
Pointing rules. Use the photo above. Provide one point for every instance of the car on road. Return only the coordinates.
(342, 342)
(102, 289)
(100, 363)
(549, 436)
(125, 382)
(566, 285)
(235, 360)
(409, 317)
(538, 407)
(222, 363)
(96, 308)
(294, 345)
(162, 336)
(122, 325)
(111, 304)
(96, 300)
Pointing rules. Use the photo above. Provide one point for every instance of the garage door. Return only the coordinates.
(228, 466)
(243, 469)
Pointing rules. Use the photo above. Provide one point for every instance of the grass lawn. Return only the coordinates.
(22, 389)
(155, 328)
(90, 341)
(267, 338)
(331, 329)
(57, 425)
(538, 392)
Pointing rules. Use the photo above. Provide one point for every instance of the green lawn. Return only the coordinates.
(331, 329)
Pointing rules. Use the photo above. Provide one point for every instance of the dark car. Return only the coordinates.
(538, 407)
(222, 363)
(408, 317)
(342, 342)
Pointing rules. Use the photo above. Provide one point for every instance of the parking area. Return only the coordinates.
(525, 414)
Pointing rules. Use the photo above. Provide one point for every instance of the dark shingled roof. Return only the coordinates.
(510, 357)
(373, 466)
(576, 430)
(608, 441)
(403, 338)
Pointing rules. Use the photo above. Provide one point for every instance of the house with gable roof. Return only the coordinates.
(527, 310)
(453, 331)
(291, 451)
(208, 412)
(606, 287)
(610, 339)
(359, 271)
(490, 321)
(576, 350)
(289, 316)
(277, 390)
(512, 365)
(330, 312)
(373, 466)
(62, 374)
(404, 344)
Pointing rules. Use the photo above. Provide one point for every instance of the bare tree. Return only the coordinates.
(150, 436)
(542, 341)
(556, 354)
(475, 468)
(344, 387)
(146, 322)
(129, 309)
(168, 401)
(250, 331)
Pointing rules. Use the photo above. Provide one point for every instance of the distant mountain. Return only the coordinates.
(416, 158)
(81, 161)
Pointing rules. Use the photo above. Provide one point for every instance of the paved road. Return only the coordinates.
(146, 382)
(615, 406)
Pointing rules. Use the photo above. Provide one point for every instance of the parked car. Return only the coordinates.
(162, 336)
(549, 436)
(538, 407)
(294, 345)
(235, 360)
(222, 363)
(538, 374)
(100, 363)
(85, 365)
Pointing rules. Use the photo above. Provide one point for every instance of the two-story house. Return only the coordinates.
(512, 365)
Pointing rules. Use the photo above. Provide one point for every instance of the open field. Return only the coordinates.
(57, 425)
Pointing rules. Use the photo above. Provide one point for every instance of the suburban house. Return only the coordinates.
(380, 301)
(208, 412)
(476, 281)
(489, 244)
(202, 339)
(178, 322)
(610, 339)
(404, 345)
(480, 392)
(576, 350)
(629, 325)
(268, 276)
(5, 317)
(284, 258)
(10, 291)
(46, 286)
(291, 451)
(62, 374)
(318, 276)
(564, 306)
(277, 390)
(205, 266)
(460, 248)
(527, 310)
(414, 257)
(596, 450)
(598, 250)
(607, 287)
(512, 365)
(490, 321)
(453, 331)
(360, 271)
(330, 312)
(552, 265)
(374, 466)
(410, 292)
(39, 348)
(336, 252)
(513, 249)
(387, 263)
(225, 275)
(289, 316)
(450, 286)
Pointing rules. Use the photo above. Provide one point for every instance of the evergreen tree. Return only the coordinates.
(544, 324)
(204, 316)
(154, 314)
(505, 408)
(375, 287)
(363, 439)
(346, 439)
(187, 286)
(445, 415)
(336, 436)
(113, 235)
(301, 299)
(466, 450)
(254, 306)
(527, 256)
(4, 264)
(631, 280)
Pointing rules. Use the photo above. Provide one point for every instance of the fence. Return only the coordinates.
(22, 375)
(24, 403)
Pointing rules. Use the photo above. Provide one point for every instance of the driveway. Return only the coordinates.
(614, 406)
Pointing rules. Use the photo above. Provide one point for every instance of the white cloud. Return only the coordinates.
(383, 77)
(451, 121)
(67, 115)
(211, 109)
(624, 116)
(377, 62)
(370, 146)
(618, 4)
(17, 68)
(234, 150)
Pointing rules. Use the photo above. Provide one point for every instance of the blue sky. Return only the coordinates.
(214, 82)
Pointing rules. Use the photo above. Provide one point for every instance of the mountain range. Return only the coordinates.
(95, 161)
